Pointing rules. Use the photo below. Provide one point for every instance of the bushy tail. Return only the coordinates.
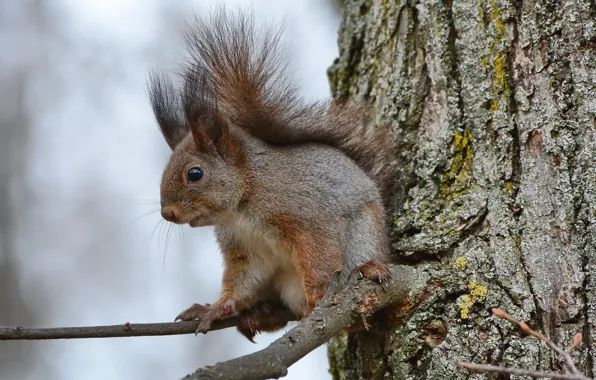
(248, 73)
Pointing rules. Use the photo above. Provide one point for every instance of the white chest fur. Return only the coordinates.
(271, 265)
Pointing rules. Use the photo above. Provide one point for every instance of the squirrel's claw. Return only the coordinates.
(248, 325)
(248, 332)
(376, 271)
(204, 326)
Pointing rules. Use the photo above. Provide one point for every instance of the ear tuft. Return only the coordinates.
(192, 109)
(166, 108)
(207, 125)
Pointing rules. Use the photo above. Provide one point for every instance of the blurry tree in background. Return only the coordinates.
(13, 154)
(493, 104)
(23, 25)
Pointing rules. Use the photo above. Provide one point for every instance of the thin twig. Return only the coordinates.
(528, 330)
(575, 373)
(521, 372)
(125, 330)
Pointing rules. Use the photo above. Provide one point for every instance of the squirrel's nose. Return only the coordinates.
(169, 214)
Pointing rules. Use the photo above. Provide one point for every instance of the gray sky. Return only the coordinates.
(88, 255)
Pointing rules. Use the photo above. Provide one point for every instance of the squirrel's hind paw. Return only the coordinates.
(259, 318)
(375, 270)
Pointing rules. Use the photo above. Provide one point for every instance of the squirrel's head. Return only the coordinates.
(203, 179)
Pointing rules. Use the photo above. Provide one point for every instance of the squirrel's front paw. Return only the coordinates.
(193, 313)
(205, 314)
(374, 270)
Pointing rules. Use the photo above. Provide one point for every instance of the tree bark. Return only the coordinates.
(493, 106)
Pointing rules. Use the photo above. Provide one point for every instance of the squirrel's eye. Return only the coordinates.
(194, 174)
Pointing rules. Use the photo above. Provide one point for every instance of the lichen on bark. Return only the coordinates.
(492, 104)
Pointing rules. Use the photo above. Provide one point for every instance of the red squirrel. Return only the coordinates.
(295, 191)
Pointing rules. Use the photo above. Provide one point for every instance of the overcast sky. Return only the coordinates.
(90, 252)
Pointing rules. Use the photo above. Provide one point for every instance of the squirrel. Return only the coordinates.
(295, 191)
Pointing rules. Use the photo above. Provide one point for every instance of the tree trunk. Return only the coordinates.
(493, 105)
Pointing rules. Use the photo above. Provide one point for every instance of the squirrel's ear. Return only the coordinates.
(167, 109)
(211, 134)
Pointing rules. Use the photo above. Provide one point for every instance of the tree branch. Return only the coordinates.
(335, 312)
(125, 330)
(358, 299)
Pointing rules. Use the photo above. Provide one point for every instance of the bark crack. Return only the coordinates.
(536, 314)
(516, 162)
(507, 292)
(451, 46)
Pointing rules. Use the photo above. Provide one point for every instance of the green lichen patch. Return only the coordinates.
(460, 263)
(476, 294)
(495, 61)
(459, 180)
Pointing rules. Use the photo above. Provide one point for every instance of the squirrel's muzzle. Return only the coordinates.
(169, 214)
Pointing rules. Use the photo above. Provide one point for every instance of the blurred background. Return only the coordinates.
(81, 238)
